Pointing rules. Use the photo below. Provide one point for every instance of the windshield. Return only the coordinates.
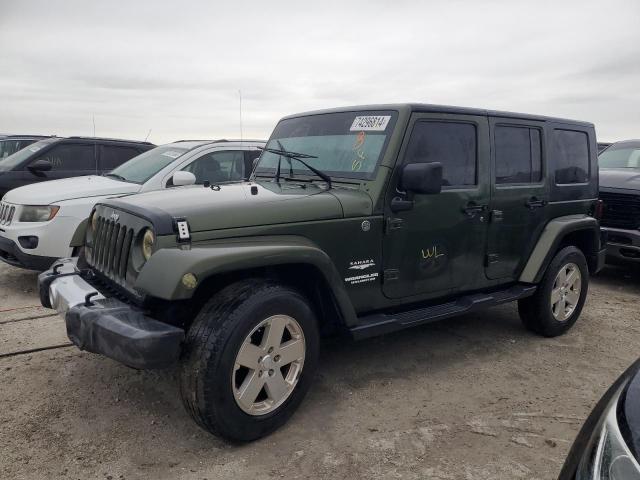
(620, 156)
(15, 160)
(141, 168)
(347, 145)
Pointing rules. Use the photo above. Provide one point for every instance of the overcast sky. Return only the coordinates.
(176, 67)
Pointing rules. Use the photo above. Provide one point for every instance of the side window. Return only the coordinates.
(450, 143)
(71, 157)
(113, 156)
(518, 155)
(572, 156)
(218, 167)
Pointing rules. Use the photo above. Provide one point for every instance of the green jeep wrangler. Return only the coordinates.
(363, 220)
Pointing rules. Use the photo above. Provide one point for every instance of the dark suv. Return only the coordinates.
(56, 157)
(362, 220)
(620, 193)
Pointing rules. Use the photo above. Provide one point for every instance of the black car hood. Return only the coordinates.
(624, 178)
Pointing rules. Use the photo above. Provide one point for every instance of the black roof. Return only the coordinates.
(105, 139)
(429, 108)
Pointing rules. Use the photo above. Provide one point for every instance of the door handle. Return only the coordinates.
(534, 202)
(472, 208)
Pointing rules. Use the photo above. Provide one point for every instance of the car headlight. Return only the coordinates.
(93, 222)
(38, 213)
(607, 456)
(148, 240)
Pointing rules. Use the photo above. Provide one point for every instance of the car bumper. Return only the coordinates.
(53, 240)
(622, 245)
(104, 325)
(12, 254)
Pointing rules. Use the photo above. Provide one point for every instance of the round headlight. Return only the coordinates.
(147, 243)
(93, 222)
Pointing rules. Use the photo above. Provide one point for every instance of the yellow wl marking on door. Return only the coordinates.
(431, 253)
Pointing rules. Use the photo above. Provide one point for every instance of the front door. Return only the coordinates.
(67, 160)
(438, 246)
(519, 197)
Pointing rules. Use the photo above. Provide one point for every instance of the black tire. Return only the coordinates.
(211, 347)
(536, 312)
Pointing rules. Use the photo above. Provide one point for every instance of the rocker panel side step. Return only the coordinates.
(381, 323)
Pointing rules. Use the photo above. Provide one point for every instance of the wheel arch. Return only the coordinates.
(77, 240)
(581, 231)
(293, 261)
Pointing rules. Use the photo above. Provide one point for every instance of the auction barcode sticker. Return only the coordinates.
(371, 123)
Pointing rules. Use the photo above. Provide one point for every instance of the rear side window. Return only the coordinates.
(452, 144)
(518, 155)
(71, 157)
(112, 156)
(572, 156)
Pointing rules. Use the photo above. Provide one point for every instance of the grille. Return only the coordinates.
(621, 210)
(6, 213)
(111, 248)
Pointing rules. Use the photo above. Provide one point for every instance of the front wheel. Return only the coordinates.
(250, 357)
(561, 294)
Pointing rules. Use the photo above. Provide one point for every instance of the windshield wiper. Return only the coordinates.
(299, 157)
(116, 176)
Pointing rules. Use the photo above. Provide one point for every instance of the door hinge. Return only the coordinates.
(492, 258)
(394, 224)
(390, 275)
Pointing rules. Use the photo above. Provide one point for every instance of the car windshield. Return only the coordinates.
(12, 161)
(141, 168)
(345, 145)
(620, 156)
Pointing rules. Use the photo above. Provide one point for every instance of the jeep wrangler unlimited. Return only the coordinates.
(364, 220)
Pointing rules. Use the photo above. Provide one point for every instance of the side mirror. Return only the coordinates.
(424, 178)
(183, 178)
(40, 166)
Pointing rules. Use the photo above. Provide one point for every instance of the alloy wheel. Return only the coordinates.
(268, 365)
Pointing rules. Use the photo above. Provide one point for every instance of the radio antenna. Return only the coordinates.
(240, 95)
(93, 118)
(148, 133)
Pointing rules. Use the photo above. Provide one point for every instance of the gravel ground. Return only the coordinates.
(475, 397)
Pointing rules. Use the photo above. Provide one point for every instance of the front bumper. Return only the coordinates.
(12, 254)
(106, 325)
(622, 245)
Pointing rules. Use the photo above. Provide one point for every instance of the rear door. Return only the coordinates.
(520, 194)
(438, 246)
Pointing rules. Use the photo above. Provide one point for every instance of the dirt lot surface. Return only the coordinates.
(476, 397)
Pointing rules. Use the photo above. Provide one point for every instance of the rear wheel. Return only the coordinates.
(558, 302)
(249, 359)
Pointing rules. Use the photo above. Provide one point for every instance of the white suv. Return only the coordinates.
(42, 222)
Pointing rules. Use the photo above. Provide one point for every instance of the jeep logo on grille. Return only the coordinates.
(114, 216)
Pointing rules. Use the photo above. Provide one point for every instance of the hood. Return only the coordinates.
(46, 193)
(627, 178)
(235, 205)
